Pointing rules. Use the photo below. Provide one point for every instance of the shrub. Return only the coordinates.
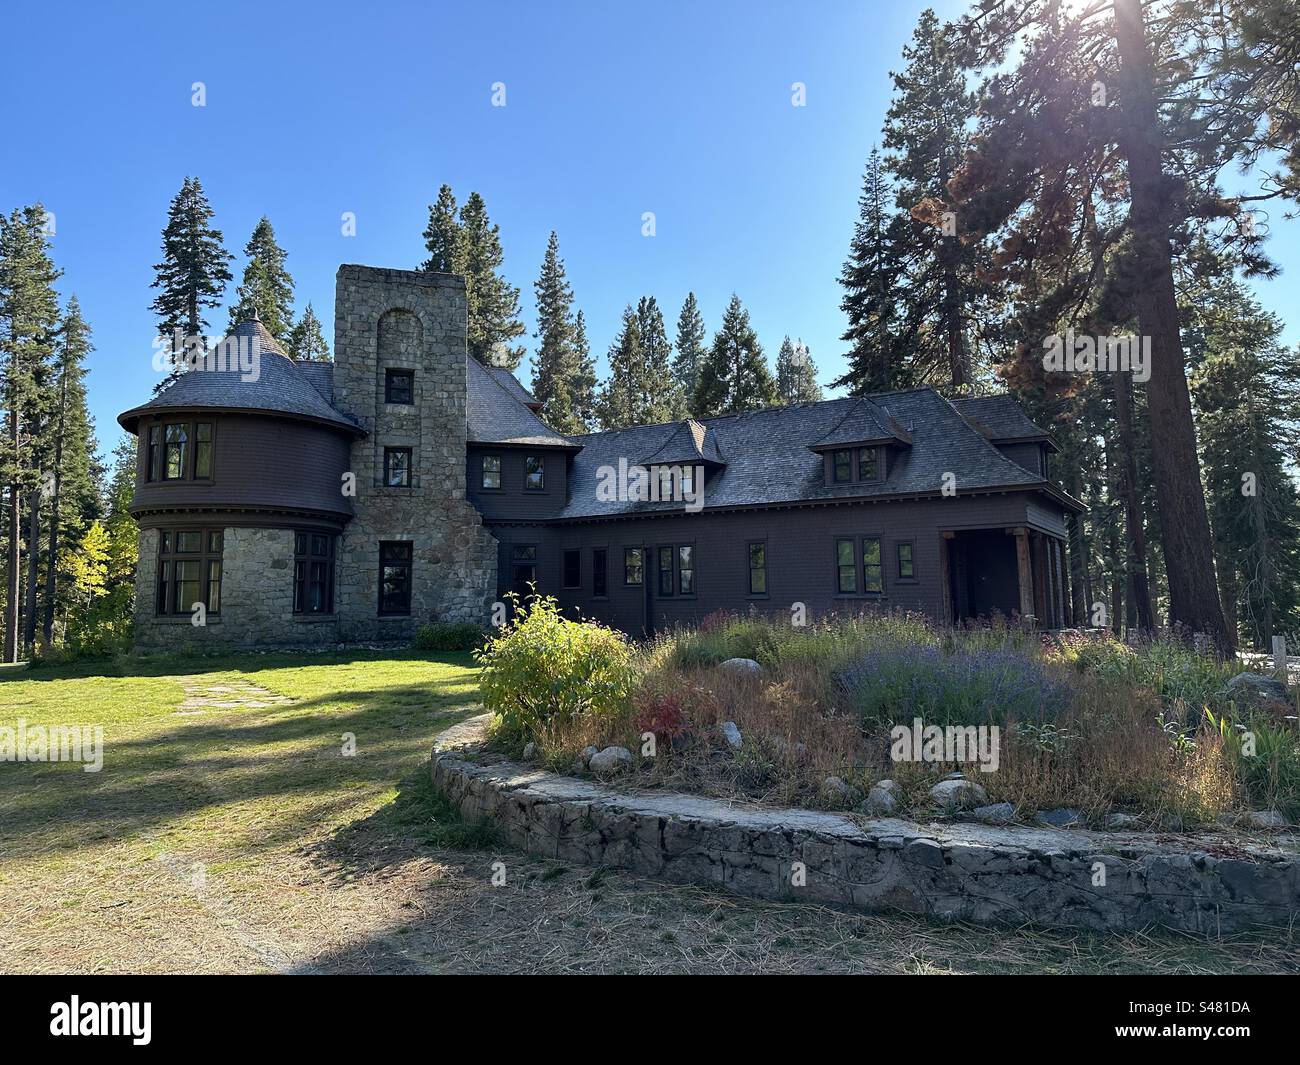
(662, 713)
(544, 670)
(448, 636)
(964, 688)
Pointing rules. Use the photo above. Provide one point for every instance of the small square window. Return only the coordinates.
(399, 386)
(397, 467)
(491, 471)
(534, 473)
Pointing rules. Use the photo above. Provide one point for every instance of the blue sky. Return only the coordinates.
(682, 109)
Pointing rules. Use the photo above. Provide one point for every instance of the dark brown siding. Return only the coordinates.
(512, 500)
(800, 556)
(268, 463)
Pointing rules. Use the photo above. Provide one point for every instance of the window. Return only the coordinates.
(842, 466)
(534, 473)
(572, 568)
(599, 582)
(491, 471)
(758, 569)
(523, 568)
(906, 562)
(176, 454)
(313, 573)
(395, 578)
(846, 568)
(189, 570)
(666, 570)
(153, 454)
(399, 386)
(868, 464)
(873, 571)
(686, 569)
(632, 565)
(397, 467)
(203, 450)
(688, 481)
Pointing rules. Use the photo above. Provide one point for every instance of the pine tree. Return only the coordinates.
(796, 376)
(29, 320)
(667, 401)
(584, 383)
(195, 267)
(267, 288)
(307, 342)
(926, 129)
(876, 264)
(72, 497)
(557, 368)
(122, 532)
(622, 401)
(493, 301)
(734, 376)
(442, 236)
(690, 348)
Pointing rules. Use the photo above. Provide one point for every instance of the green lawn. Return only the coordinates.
(239, 838)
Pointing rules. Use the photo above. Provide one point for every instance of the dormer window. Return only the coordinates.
(534, 473)
(842, 466)
(399, 387)
(869, 464)
(179, 451)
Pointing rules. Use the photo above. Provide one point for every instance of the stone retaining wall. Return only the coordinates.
(951, 871)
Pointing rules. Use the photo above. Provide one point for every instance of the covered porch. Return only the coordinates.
(1008, 571)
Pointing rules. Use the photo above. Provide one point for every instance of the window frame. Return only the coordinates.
(392, 372)
(153, 452)
(305, 556)
(541, 472)
(389, 453)
(898, 560)
(693, 568)
(628, 552)
(166, 587)
(840, 566)
(665, 577)
(408, 565)
(565, 554)
(750, 570)
(600, 589)
(483, 472)
(878, 565)
(878, 461)
(156, 448)
(835, 466)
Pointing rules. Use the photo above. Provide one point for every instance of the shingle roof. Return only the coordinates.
(279, 385)
(511, 384)
(687, 442)
(769, 460)
(864, 423)
(999, 418)
(495, 415)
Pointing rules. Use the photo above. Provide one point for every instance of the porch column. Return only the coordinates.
(1067, 603)
(1025, 573)
(945, 584)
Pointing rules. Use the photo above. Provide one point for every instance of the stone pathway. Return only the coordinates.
(200, 697)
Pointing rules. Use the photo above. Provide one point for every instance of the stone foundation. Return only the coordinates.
(952, 871)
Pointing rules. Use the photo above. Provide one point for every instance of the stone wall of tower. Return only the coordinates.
(405, 319)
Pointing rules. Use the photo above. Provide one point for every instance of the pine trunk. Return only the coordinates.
(52, 547)
(1185, 527)
(1078, 552)
(33, 572)
(1140, 612)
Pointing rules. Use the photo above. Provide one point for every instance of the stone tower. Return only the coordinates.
(407, 320)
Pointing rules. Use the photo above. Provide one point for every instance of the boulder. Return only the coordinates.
(1119, 822)
(588, 753)
(530, 751)
(609, 761)
(958, 794)
(880, 801)
(1269, 819)
(1256, 689)
(840, 792)
(741, 667)
(731, 733)
(1000, 813)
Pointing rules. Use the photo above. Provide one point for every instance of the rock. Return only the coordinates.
(742, 667)
(1061, 818)
(530, 751)
(1266, 819)
(1000, 813)
(731, 734)
(880, 801)
(578, 768)
(958, 794)
(588, 753)
(838, 791)
(1256, 689)
(887, 785)
(609, 761)
(1121, 822)
(959, 775)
